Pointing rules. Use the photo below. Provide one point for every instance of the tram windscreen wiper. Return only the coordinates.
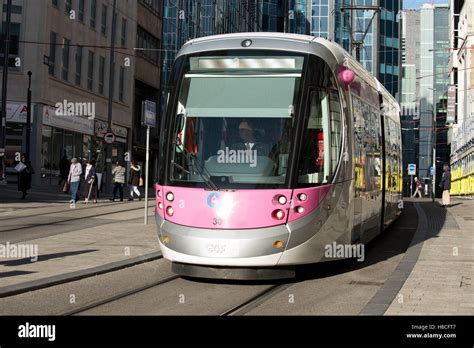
(200, 168)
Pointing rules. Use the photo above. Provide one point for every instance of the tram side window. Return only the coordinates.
(336, 129)
(314, 164)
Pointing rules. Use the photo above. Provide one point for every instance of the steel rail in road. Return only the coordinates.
(71, 219)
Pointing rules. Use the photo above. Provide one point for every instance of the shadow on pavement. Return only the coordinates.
(455, 204)
(392, 242)
(14, 273)
(45, 257)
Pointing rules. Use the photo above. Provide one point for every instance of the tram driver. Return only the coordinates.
(249, 141)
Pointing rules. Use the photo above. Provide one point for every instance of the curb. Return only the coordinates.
(384, 297)
(42, 283)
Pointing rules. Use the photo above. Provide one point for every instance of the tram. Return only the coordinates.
(274, 147)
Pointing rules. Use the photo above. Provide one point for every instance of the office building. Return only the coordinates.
(461, 106)
(434, 79)
(69, 60)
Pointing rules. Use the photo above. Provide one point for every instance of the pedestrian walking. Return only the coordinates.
(63, 169)
(134, 180)
(119, 180)
(445, 185)
(90, 178)
(74, 179)
(24, 175)
(418, 187)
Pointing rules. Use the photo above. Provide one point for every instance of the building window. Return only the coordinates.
(14, 44)
(81, 10)
(104, 20)
(93, 12)
(52, 52)
(101, 74)
(90, 70)
(124, 32)
(67, 7)
(15, 9)
(78, 65)
(154, 5)
(65, 67)
(121, 82)
(150, 44)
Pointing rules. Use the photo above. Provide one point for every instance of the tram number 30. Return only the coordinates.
(217, 221)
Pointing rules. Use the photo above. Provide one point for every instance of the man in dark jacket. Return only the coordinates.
(63, 169)
(445, 185)
(24, 176)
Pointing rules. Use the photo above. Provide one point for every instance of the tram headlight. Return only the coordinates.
(278, 214)
(170, 196)
(299, 209)
(159, 193)
(169, 211)
(302, 197)
(281, 199)
(160, 205)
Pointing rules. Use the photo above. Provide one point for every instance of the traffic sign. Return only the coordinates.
(412, 169)
(109, 138)
(148, 113)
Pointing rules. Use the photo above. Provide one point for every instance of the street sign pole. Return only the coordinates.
(28, 116)
(148, 120)
(147, 158)
(108, 159)
(411, 171)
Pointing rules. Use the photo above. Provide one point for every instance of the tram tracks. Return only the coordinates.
(242, 308)
(70, 219)
(256, 300)
(117, 297)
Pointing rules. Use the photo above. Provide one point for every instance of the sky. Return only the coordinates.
(418, 3)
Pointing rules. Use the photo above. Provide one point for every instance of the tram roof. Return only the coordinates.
(333, 53)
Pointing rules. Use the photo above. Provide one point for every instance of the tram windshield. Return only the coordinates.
(233, 119)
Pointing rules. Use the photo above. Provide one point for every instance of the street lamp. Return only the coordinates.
(28, 115)
(433, 137)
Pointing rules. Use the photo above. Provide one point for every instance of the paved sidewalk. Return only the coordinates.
(51, 193)
(442, 280)
(101, 242)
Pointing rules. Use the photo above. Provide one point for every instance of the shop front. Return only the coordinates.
(63, 138)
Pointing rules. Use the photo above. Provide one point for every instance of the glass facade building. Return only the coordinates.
(389, 48)
(188, 19)
(434, 56)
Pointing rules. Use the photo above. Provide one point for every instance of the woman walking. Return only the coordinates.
(91, 182)
(74, 179)
(134, 180)
(24, 176)
(418, 188)
(119, 181)
(445, 185)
